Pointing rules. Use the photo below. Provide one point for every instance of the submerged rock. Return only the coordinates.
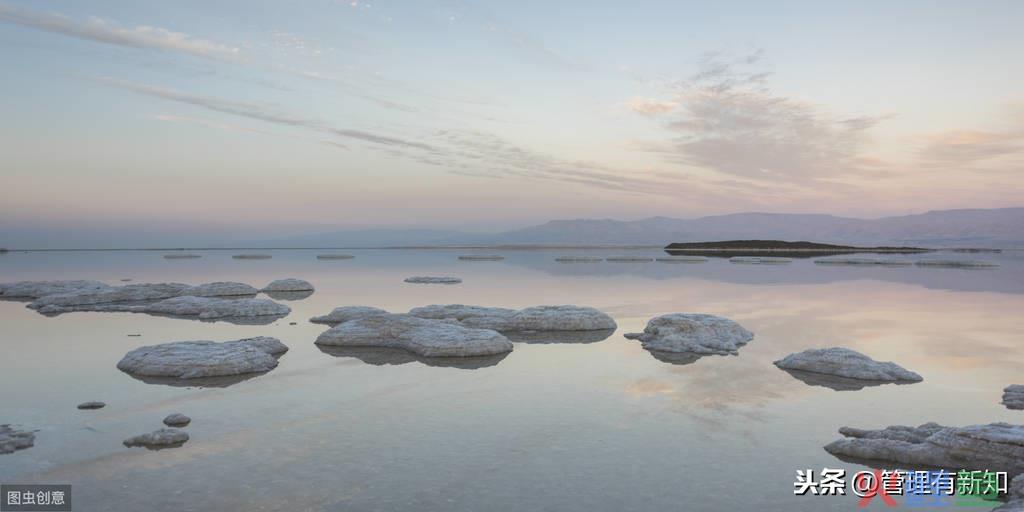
(37, 289)
(956, 264)
(629, 259)
(252, 256)
(12, 440)
(1013, 396)
(91, 405)
(288, 285)
(481, 257)
(159, 439)
(693, 332)
(759, 260)
(996, 446)
(682, 259)
(181, 256)
(429, 338)
(843, 362)
(346, 313)
(334, 256)
(537, 318)
(177, 420)
(432, 280)
(203, 308)
(200, 359)
(579, 259)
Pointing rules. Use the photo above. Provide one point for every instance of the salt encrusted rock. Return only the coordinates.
(759, 260)
(629, 259)
(682, 259)
(346, 313)
(182, 256)
(91, 405)
(1015, 496)
(158, 439)
(288, 285)
(844, 362)
(141, 293)
(862, 262)
(379, 356)
(203, 308)
(956, 264)
(37, 289)
(12, 439)
(432, 280)
(252, 256)
(334, 256)
(481, 257)
(579, 259)
(1013, 396)
(429, 338)
(537, 318)
(177, 420)
(996, 446)
(200, 359)
(692, 332)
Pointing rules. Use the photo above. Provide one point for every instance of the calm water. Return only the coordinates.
(589, 426)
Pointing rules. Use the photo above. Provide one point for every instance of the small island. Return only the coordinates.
(802, 249)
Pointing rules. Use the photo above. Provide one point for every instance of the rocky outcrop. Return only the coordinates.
(158, 439)
(177, 420)
(12, 439)
(537, 318)
(288, 285)
(202, 308)
(425, 337)
(137, 294)
(37, 289)
(202, 359)
(346, 313)
(843, 362)
(88, 406)
(693, 332)
(432, 280)
(1013, 396)
(995, 446)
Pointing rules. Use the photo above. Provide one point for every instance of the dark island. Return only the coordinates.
(730, 248)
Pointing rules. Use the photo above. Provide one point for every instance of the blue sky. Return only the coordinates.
(222, 116)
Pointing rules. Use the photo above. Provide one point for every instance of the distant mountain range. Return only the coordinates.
(1001, 228)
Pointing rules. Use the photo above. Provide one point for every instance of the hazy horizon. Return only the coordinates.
(125, 121)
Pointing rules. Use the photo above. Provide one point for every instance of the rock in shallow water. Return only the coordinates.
(181, 256)
(177, 420)
(537, 318)
(334, 256)
(432, 280)
(91, 405)
(203, 308)
(481, 257)
(1013, 396)
(37, 289)
(288, 285)
(12, 439)
(380, 356)
(693, 332)
(956, 264)
(429, 338)
(995, 446)
(140, 293)
(159, 439)
(203, 359)
(579, 259)
(759, 260)
(843, 362)
(252, 256)
(346, 313)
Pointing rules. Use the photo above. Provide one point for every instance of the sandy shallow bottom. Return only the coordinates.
(597, 425)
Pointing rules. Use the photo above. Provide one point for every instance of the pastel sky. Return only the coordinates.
(198, 115)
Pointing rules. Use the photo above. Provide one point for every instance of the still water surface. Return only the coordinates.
(577, 426)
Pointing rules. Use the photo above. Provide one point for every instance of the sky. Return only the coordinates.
(207, 118)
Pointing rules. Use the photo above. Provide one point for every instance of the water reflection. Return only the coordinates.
(380, 356)
(202, 382)
(835, 382)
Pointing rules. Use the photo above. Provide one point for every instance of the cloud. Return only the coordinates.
(103, 31)
(965, 147)
(264, 113)
(724, 118)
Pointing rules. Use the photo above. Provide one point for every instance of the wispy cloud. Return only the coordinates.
(104, 31)
(724, 118)
(263, 113)
(967, 147)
